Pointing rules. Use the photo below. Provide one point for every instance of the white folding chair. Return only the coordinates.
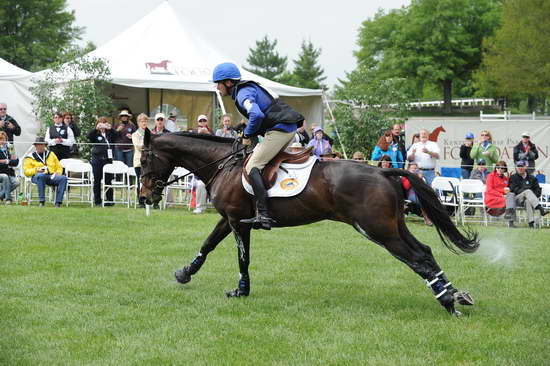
(472, 195)
(545, 201)
(132, 186)
(119, 182)
(79, 175)
(446, 189)
(65, 162)
(28, 187)
(180, 190)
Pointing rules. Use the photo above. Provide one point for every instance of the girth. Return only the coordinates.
(269, 173)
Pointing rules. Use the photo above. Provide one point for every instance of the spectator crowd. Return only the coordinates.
(122, 140)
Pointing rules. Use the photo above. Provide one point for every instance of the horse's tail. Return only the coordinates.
(467, 242)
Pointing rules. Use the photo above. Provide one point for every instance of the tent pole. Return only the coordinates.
(161, 95)
(220, 101)
(147, 101)
(334, 124)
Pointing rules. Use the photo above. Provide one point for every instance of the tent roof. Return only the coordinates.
(10, 71)
(158, 52)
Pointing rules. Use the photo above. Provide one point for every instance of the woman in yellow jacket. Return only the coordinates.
(45, 169)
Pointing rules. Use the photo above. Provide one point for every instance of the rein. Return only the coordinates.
(159, 184)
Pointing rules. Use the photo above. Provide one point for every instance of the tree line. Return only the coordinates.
(264, 60)
(459, 48)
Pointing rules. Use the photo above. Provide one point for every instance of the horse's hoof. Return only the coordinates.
(463, 298)
(456, 314)
(236, 293)
(182, 275)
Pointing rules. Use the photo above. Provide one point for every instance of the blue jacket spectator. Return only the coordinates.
(386, 146)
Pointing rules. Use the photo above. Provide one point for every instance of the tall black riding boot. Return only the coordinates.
(262, 219)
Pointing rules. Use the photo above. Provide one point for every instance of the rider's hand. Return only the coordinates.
(246, 141)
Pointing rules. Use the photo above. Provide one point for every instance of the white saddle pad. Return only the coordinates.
(288, 184)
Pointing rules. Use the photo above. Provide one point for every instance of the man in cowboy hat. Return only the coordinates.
(45, 169)
(170, 124)
(124, 148)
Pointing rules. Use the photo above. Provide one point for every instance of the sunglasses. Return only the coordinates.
(202, 120)
(160, 119)
(484, 134)
(3, 109)
(501, 167)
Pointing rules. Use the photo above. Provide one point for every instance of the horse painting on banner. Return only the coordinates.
(340, 190)
(434, 135)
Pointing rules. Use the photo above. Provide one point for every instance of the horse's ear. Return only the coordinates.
(147, 138)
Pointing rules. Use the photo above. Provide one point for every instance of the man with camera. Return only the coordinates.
(45, 169)
(227, 128)
(8, 124)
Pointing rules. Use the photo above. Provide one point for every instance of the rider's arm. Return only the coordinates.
(247, 99)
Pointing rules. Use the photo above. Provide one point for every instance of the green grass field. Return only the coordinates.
(83, 286)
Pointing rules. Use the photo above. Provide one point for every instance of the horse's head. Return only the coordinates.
(155, 170)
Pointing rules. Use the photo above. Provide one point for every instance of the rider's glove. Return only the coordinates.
(246, 141)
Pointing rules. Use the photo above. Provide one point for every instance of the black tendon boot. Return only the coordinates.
(262, 219)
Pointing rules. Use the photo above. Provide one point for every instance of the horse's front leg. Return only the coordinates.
(242, 236)
(219, 233)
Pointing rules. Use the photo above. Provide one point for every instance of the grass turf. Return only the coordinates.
(85, 286)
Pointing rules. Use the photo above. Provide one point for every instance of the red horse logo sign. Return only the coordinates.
(163, 66)
(435, 133)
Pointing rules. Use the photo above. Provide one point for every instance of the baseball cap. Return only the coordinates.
(525, 134)
(202, 116)
(469, 135)
(481, 162)
(159, 115)
(521, 163)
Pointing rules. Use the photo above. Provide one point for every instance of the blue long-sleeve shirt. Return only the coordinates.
(255, 101)
(393, 152)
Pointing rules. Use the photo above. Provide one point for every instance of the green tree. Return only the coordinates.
(85, 81)
(307, 73)
(265, 61)
(369, 105)
(517, 58)
(33, 33)
(434, 41)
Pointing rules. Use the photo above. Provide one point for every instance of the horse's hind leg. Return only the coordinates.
(418, 257)
(219, 233)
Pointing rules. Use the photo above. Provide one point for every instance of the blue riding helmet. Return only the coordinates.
(225, 71)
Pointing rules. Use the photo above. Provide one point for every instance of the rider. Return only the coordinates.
(267, 116)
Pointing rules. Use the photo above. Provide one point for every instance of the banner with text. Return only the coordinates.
(450, 134)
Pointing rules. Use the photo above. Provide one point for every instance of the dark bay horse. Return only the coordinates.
(348, 191)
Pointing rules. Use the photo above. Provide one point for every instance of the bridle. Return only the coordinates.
(159, 184)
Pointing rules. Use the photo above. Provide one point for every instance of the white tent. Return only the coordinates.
(14, 91)
(158, 61)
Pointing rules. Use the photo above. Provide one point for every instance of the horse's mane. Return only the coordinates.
(227, 140)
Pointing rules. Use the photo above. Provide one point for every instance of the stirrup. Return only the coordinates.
(259, 222)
